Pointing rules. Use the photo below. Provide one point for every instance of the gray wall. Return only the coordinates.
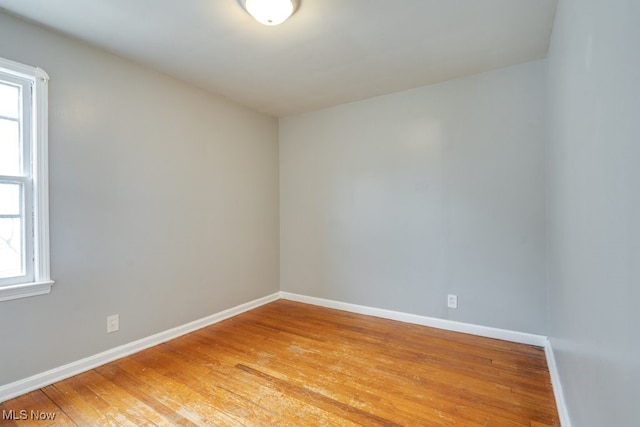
(396, 201)
(594, 208)
(164, 205)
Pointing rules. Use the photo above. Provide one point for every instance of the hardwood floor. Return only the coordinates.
(292, 364)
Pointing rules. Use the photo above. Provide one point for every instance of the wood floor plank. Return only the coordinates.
(366, 376)
(380, 402)
(225, 383)
(375, 389)
(292, 364)
(75, 404)
(33, 409)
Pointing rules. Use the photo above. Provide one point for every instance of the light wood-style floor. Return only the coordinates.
(292, 364)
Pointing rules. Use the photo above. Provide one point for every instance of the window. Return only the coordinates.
(24, 210)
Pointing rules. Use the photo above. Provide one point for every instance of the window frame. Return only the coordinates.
(35, 185)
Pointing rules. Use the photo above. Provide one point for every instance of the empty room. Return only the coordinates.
(319, 212)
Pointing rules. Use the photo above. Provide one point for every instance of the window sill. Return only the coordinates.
(25, 290)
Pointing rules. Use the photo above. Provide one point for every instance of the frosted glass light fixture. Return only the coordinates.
(270, 12)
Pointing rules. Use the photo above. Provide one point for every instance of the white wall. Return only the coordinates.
(395, 201)
(164, 205)
(594, 208)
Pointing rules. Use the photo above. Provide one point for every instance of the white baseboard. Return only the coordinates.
(20, 387)
(563, 412)
(449, 325)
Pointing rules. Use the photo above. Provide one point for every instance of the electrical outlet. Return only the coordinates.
(113, 323)
(452, 301)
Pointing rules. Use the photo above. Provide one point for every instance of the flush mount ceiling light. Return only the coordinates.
(270, 12)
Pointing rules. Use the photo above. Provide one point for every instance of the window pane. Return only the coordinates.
(11, 247)
(9, 199)
(10, 155)
(9, 101)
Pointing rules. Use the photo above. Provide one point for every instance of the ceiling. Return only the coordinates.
(329, 52)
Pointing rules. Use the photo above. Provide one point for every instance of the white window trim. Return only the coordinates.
(40, 134)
